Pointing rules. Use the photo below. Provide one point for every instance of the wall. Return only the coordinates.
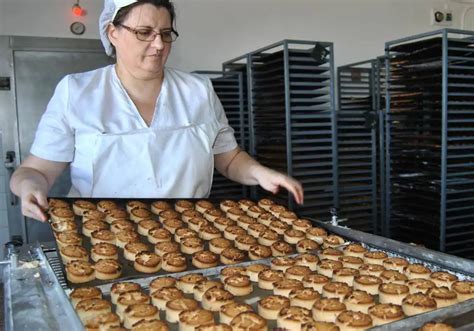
(213, 31)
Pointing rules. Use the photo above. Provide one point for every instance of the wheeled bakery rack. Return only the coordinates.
(429, 137)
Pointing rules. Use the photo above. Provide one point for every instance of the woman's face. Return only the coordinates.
(142, 59)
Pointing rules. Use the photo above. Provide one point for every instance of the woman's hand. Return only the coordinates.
(272, 180)
(34, 202)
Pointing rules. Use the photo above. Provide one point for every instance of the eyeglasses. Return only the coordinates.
(146, 34)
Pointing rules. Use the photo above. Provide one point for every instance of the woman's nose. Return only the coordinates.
(158, 43)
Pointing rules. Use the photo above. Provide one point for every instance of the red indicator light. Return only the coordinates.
(77, 10)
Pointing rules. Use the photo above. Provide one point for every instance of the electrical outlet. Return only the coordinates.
(443, 17)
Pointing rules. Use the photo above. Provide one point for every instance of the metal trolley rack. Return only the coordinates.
(430, 140)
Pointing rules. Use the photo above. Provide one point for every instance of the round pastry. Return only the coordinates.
(158, 206)
(89, 215)
(225, 205)
(266, 278)
(302, 224)
(122, 287)
(230, 310)
(289, 217)
(174, 262)
(159, 283)
(187, 282)
(233, 231)
(191, 245)
(103, 236)
(291, 318)
(154, 325)
(108, 321)
(375, 257)
(395, 263)
(305, 297)
(418, 303)
(282, 263)
(276, 210)
(270, 306)
(420, 285)
(166, 247)
(73, 253)
(126, 236)
(441, 278)
(245, 204)
(176, 306)
(327, 309)
(353, 320)
(115, 214)
(104, 251)
(93, 225)
(279, 227)
(268, 237)
(266, 219)
(307, 245)
(436, 326)
(265, 203)
(393, 293)
(367, 283)
(285, 286)
(189, 320)
(336, 290)
(63, 226)
(256, 229)
(385, 313)
(333, 241)
(60, 214)
(202, 286)
(203, 205)
(371, 269)
(147, 262)
(135, 204)
(182, 205)
(80, 206)
(359, 301)
(217, 245)
(91, 308)
(319, 326)
(121, 225)
(327, 267)
(317, 234)
(356, 250)
(297, 272)
(205, 259)
(157, 235)
(165, 214)
(255, 211)
(254, 269)
(188, 214)
(392, 276)
(309, 260)
(83, 293)
(416, 270)
(215, 297)
(139, 214)
(351, 261)
(330, 254)
(137, 312)
(222, 222)
(232, 256)
(212, 214)
(443, 296)
(56, 203)
(248, 321)
(233, 271)
(245, 221)
(244, 242)
(345, 275)
(106, 205)
(172, 224)
(238, 285)
(183, 233)
(209, 232)
(235, 213)
(464, 289)
(315, 281)
(292, 236)
(214, 327)
(160, 297)
(107, 269)
(281, 248)
(131, 250)
(257, 252)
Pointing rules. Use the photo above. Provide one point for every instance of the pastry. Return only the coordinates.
(109, 321)
(443, 296)
(202, 286)
(187, 282)
(159, 283)
(189, 320)
(276, 210)
(214, 327)
(135, 204)
(91, 308)
(238, 285)
(248, 321)
(292, 236)
(131, 250)
(166, 214)
(265, 204)
(126, 236)
(235, 213)
(358, 301)
(441, 278)
(375, 257)
(371, 269)
(317, 234)
(315, 281)
(351, 261)
(172, 224)
(222, 222)
(352, 320)
(333, 241)
(255, 211)
(135, 313)
(60, 214)
(307, 245)
(309, 260)
(336, 290)
(73, 253)
(327, 309)
(147, 262)
(232, 309)
(279, 227)
(183, 233)
(160, 297)
(330, 254)
(257, 252)
(301, 224)
(367, 283)
(106, 205)
(166, 247)
(174, 262)
(139, 214)
(93, 225)
(266, 219)
(191, 245)
(292, 318)
(385, 313)
(103, 236)
(420, 285)
(289, 217)
(188, 214)
(217, 245)
(107, 269)
(212, 214)
(345, 275)
(122, 287)
(305, 297)
(270, 306)
(356, 250)
(285, 286)
(121, 225)
(416, 270)
(464, 289)
(96, 215)
(228, 204)
(327, 267)
(436, 326)
(232, 256)
(115, 214)
(63, 226)
(154, 325)
(281, 248)
(83, 293)
(268, 237)
(244, 242)
(158, 206)
(182, 205)
(392, 276)
(203, 205)
(245, 221)
(205, 259)
(319, 326)
(393, 293)
(104, 251)
(266, 278)
(130, 298)
(395, 263)
(157, 235)
(418, 303)
(233, 231)
(215, 297)
(254, 269)
(56, 203)
(297, 272)
(256, 229)
(245, 204)
(176, 306)
(80, 206)
(67, 238)
(209, 232)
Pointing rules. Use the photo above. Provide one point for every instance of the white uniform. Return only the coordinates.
(91, 122)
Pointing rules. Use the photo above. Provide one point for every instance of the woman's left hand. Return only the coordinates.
(272, 180)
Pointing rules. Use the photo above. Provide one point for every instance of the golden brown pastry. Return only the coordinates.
(230, 310)
(217, 245)
(333, 241)
(393, 293)
(245, 221)
(209, 232)
(354, 249)
(212, 214)
(222, 222)
(336, 290)
(121, 225)
(327, 309)
(137, 312)
(189, 320)
(345, 275)
(309, 260)
(238, 285)
(281, 248)
(80, 206)
(150, 325)
(257, 252)
(244, 242)
(225, 205)
(375, 257)
(122, 287)
(297, 272)
(232, 256)
(307, 245)
(233, 231)
(215, 297)
(288, 217)
(256, 229)
(367, 283)
(182, 205)
(136, 204)
(202, 286)
(103, 321)
(443, 296)
(276, 210)
(106, 205)
(464, 289)
(89, 215)
(83, 293)
(416, 270)
(147, 262)
(436, 326)
(315, 281)
(441, 278)
(392, 276)
(67, 238)
(93, 225)
(385, 313)
(103, 236)
(73, 253)
(418, 303)
(371, 269)
(266, 278)
(301, 224)
(279, 227)
(172, 224)
(131, 250)
(203, 205)
(327, 267)
(61, 214)
(359, 301)
(254, 269)
(63, 226)
(183, 233)
(115, 214)
(158, 206)
(395, 263)
(161, 296)
(285, 286)
(248, 321)
(245, 204)
(292, 236)
(317, 234)
(104, 251)
(282, 263)
(174, 262)
(351, 320)
(205, 259)
(91, 308)
(165, 214)
(107, 269)
(292, 318)
(191, 245)
(166, 247)
(330, 254)
(56, 203)
(157, 235)
(421, 285)
(126, 236)
(139, 214)
(266, 219)
(126, 299)
(270, 306)
(188, 214)
(187, 282)
(268, 237)
(319, 326)
(160, 282)
(305, 297)
(255, 211)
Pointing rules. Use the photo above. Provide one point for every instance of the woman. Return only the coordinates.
(136, 129)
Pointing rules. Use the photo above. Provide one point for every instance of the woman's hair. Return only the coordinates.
(123, 12)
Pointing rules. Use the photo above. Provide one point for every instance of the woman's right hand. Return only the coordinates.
(34, 202)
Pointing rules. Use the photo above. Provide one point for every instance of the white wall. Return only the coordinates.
(213, 31)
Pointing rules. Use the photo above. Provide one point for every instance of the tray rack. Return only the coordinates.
(429, 140)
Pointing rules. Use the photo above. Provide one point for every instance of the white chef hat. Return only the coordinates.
(111, 7)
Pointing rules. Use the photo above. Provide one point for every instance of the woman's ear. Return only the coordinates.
(112, 33)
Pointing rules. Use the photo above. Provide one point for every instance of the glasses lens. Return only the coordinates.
(145, 34)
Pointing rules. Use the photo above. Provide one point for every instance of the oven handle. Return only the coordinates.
(10, 165)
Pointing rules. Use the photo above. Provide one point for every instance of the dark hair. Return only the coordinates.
(123, 12)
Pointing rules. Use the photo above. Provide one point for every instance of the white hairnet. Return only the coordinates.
(111, 7)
